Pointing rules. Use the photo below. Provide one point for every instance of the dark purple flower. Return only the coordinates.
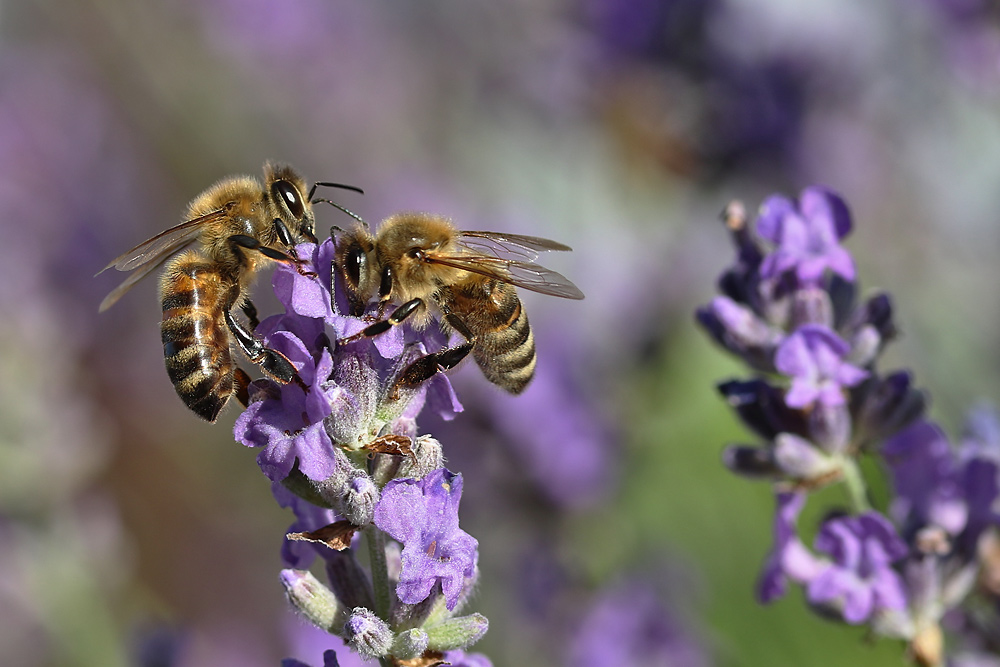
(630, 626)
(807, 235)
(423, 515)
(937, 485)
(789, 559)
(813, 356)
(860, 580)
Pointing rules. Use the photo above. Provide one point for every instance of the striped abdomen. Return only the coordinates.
(195, 336)
(504, 346)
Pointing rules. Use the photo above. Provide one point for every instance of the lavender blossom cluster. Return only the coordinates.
(345, 457)
(925, 568)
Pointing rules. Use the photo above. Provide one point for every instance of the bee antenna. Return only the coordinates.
(328, 184)
(338, 206)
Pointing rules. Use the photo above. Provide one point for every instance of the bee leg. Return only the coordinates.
(382, 326)
(272, 362)
(425, 367)
(250, 243)
(242, 382)
(250, 311)
(285, 236)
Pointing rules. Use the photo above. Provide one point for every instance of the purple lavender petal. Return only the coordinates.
(807, 236)
(773, 581)
(463, 659)
(423, 515)
(860, 580)
(813, 357)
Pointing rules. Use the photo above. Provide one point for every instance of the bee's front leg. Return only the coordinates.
(250, 243)
(381, 326)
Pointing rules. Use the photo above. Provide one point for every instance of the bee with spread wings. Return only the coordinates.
(424, 263)
(234, 228)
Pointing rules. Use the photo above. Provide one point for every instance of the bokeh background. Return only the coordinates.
(132, 533)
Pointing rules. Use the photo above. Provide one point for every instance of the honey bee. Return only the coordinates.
(467, 278)
(235, 227)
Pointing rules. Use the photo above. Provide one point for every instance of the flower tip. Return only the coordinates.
(368, 634)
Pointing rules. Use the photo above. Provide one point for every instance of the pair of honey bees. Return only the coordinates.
(420, 262)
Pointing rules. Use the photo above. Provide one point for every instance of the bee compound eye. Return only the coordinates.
(290, 196)
(353, 263)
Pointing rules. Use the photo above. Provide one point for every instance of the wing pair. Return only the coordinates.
(152, 252)
(487, 254)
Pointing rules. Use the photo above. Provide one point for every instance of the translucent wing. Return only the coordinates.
(164, 243)
(528, 275)
(112, 298)
(151, 253)
(501, 245)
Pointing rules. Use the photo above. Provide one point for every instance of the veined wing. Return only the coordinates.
(528, 275)
(151, 253)
(499, 244)
(164, 243)
(117, 293)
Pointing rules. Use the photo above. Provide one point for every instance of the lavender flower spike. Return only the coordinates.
(423, 515)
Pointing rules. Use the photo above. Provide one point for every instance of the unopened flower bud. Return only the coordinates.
(830, 427)
(457, 632)
(427, 456)
(368, 634)
(358, 499)
(409, 644)
(865, 345)
(313, 600)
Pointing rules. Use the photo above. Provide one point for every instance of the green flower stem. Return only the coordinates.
(380, 570)
(857, 490)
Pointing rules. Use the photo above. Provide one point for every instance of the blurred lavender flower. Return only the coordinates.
(806, 236)
(736, 110)
(788, 558)
(630, 626)
(789, 308)
(813, 357)
(859, 581)
(790, 311)
(329, 660)
(969, 32)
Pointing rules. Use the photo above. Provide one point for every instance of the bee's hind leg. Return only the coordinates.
(425, 367)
